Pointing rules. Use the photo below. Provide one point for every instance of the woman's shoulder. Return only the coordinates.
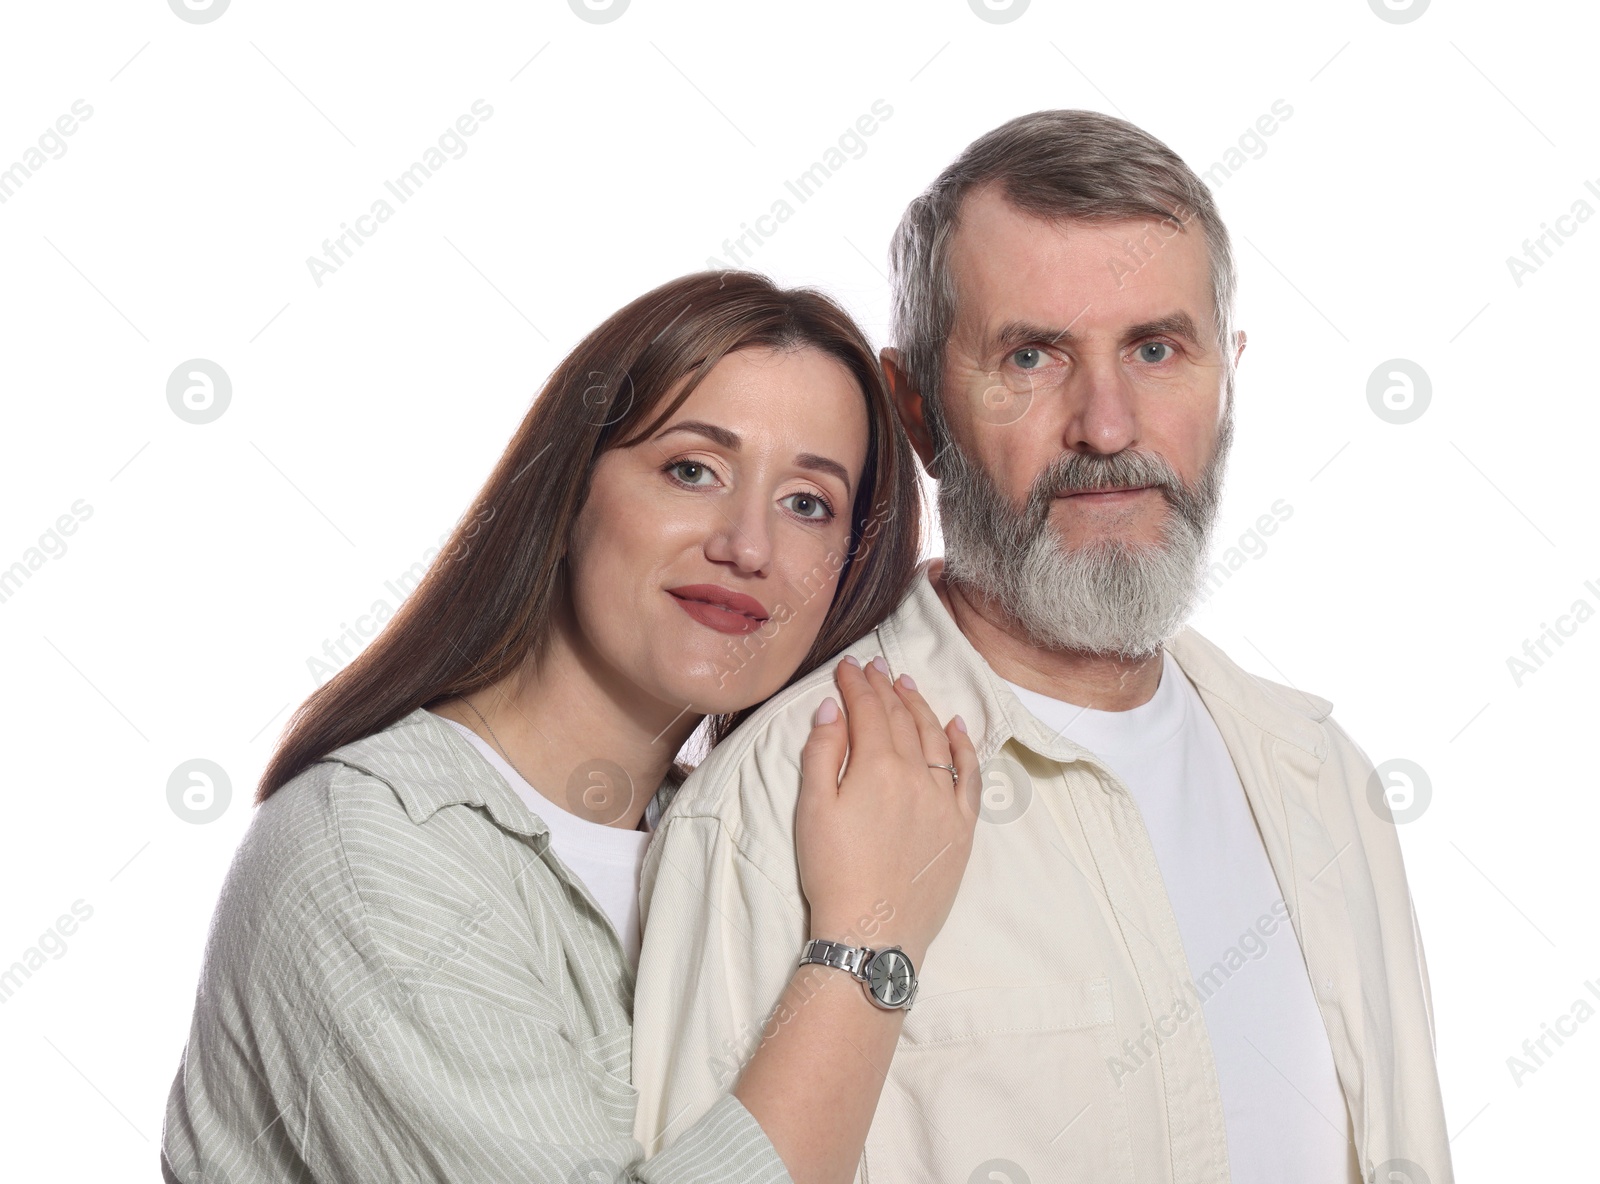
(358, 867)
(377, 810)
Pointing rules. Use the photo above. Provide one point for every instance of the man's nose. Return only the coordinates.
(1102, 413)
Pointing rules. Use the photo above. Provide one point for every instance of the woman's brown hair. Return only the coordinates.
(487, 601)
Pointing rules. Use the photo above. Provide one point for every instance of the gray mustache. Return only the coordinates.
(1072, 474)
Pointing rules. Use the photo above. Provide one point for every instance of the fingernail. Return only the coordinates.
(883, 667)
(909, 683)
(961, 724)
(852, 660)
(828, 711)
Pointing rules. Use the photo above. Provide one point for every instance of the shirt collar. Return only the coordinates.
(429, 766)
(921, 637)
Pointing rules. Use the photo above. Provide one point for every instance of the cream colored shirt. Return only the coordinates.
(1062, 950)
(1285, 1116)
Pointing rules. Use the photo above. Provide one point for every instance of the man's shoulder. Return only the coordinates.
(1290, 711)
(758, 766)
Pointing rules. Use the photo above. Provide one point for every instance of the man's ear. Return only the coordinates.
(909, 406)
(1239, 336)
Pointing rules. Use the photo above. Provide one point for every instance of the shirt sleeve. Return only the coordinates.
(1422, 972)
(451, 1089)
(385, 1001)
(722, 940)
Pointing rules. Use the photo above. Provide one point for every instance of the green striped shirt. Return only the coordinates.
(403, 982)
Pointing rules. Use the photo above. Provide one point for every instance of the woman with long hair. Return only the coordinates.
(421, 964)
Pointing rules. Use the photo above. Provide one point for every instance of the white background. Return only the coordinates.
(366, 411)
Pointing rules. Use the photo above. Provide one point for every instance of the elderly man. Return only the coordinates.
(1184, 950)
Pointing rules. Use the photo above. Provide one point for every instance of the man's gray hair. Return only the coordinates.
(1053, 164)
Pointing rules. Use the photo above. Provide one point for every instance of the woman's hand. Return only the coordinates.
(881, 854)
(888, 843)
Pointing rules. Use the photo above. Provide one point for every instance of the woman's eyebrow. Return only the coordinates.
(732, 442)
(717, 435)
(821, 464)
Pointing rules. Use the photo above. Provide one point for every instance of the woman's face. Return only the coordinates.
(706, 556)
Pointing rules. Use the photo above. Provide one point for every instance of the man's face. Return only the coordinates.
(1076, 365)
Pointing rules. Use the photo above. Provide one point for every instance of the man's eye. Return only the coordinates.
(1144, 351)
(1028, 358)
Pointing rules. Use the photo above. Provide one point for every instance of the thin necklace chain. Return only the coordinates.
(502, 747)
(496, 740)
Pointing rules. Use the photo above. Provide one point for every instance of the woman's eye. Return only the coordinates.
(691, 472)
(808, 505)
(1144, 351)
(1028, 358)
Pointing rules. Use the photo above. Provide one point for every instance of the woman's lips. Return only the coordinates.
(720, 609)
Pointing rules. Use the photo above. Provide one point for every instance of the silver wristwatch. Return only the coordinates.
(887, 974)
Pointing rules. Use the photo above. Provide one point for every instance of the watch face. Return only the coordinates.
(889, 977)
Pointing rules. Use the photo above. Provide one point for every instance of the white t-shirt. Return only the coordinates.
(606, 858)
(1286, 1117)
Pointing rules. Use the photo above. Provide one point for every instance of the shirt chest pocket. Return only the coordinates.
(608, 1058)
(1003, 1085)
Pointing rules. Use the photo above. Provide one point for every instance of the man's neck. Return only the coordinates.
(1099, 681)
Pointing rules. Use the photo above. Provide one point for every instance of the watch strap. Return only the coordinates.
(850, 959)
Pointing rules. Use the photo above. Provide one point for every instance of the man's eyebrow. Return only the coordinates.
(1016, 334)
(731, 441)
(1178, 324)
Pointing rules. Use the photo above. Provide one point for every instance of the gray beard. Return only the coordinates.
(1112, 597)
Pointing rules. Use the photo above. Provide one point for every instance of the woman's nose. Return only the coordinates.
(740, 536)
